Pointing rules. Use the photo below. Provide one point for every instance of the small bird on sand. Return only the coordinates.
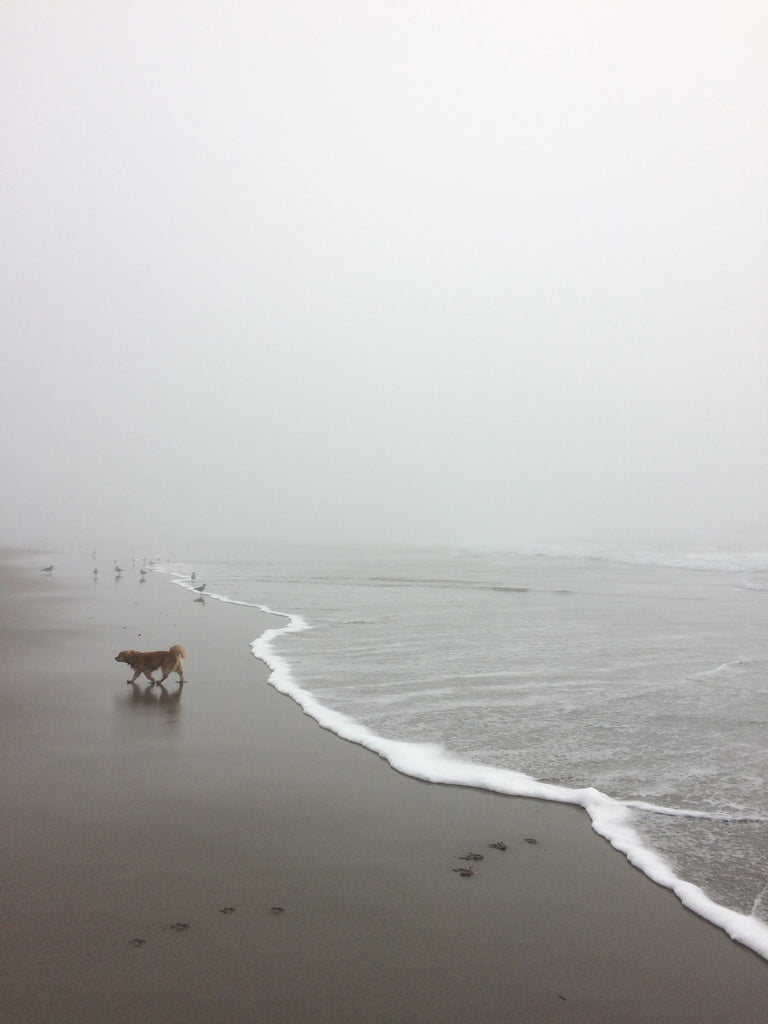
(200, 589)
(48, 568)
(193, 576)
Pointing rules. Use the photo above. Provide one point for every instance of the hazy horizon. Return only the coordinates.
(419, 273)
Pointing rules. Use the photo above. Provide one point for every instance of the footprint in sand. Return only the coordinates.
(464, 872)
(180, 926)
(497, 846)
(137, 943)
(276, 911)
(227, 910)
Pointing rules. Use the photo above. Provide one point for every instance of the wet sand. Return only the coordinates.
(210, 855)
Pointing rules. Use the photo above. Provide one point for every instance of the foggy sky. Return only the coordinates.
(432, 271)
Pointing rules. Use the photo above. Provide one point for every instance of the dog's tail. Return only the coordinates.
(178, 651)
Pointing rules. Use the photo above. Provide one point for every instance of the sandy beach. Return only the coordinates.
(210, 855)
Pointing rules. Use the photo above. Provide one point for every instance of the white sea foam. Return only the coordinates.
(723, 669)
(681, 812)
(187, 584)
(749, 584)
(612, 819)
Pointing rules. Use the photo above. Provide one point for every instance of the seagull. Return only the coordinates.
(193, 576)
(95, 572)
(200, 589)
(48, 568)
(117, 568)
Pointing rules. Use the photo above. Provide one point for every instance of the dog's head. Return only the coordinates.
(125, 656)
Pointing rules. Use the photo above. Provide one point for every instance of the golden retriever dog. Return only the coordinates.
(166, 661)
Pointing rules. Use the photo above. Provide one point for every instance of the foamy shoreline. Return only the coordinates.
(610, 818)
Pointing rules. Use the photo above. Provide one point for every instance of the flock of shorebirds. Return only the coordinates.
(118, 571)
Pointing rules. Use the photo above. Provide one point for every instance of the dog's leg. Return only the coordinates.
(150, 677)
(177, 669)
(136, 675)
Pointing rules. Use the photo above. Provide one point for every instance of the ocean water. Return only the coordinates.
(632, 683)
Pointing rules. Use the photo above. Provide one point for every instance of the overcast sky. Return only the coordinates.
(451, 271)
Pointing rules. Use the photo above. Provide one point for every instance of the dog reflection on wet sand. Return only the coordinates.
(156, 697)
(145, 663)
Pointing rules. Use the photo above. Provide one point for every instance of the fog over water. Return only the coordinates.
(429, 271)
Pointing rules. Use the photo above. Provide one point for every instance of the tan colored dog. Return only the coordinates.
(167, 661)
